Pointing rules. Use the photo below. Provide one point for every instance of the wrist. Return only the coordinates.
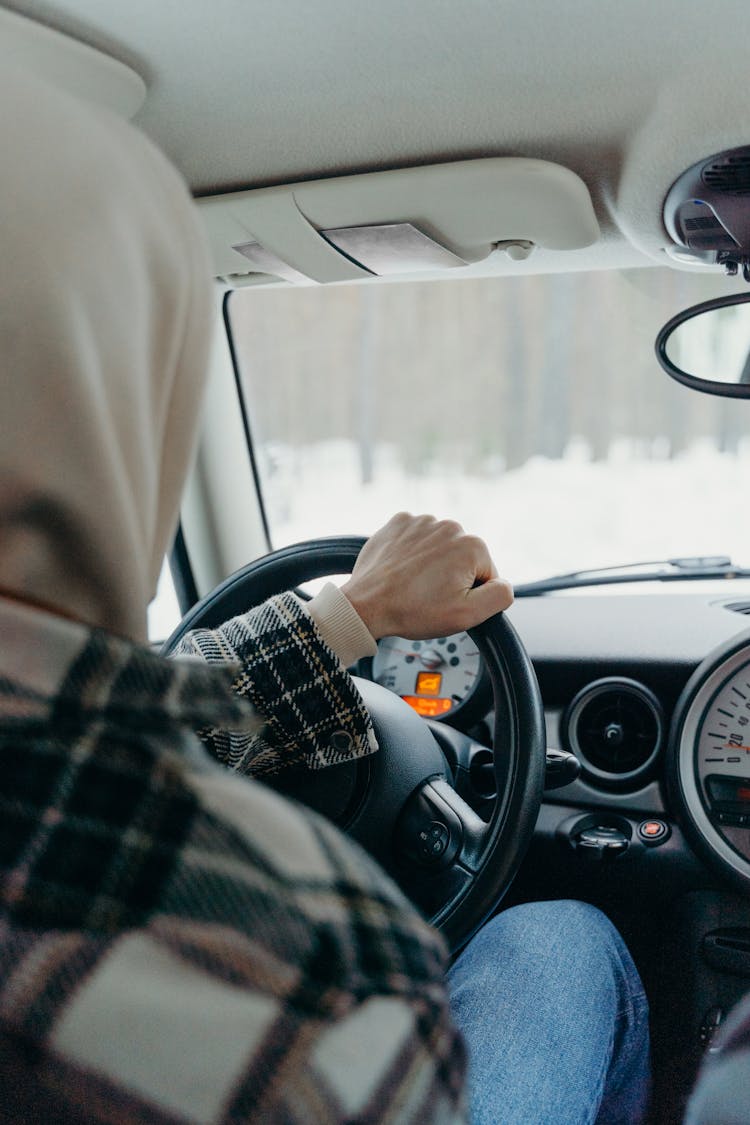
(341, 626)
(366, 609)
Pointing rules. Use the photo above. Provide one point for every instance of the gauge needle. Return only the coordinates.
(430, 658)
(731, 746)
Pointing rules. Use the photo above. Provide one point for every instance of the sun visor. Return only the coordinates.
(71, 65)
(404, 223)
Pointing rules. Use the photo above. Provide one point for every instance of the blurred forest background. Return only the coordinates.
(530, 408)
(474, 376)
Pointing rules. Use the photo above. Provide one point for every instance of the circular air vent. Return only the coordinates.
(615, 729)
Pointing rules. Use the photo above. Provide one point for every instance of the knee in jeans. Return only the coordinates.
(548, 921)
(577, 931)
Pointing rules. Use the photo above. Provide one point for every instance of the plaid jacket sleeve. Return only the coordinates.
(280, 978)
(182, 946)
(314, 715)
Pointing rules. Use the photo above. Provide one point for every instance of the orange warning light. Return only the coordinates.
(429, 683)
(429, 708)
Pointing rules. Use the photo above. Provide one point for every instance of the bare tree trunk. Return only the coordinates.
(366, 380)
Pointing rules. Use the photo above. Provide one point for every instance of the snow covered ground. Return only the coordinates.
(541, 519)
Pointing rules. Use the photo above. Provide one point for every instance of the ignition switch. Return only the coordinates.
(601, 841)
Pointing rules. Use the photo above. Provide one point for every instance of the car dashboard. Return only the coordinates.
(634, 685)
(618, 674)
(611, 669)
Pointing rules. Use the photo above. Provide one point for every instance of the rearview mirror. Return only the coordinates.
(707, 347)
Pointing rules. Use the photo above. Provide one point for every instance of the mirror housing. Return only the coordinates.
(707, 347)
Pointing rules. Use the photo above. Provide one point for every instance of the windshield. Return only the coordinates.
(531, 409)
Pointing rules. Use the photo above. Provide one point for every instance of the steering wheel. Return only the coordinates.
(401, 805)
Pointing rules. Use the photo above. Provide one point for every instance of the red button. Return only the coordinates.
(652, 831)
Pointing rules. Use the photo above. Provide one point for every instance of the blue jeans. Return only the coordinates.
(555, 1019)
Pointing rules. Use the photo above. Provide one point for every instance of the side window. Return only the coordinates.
(164, 612)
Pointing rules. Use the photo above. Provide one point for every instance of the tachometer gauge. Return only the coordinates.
(435, 677)
(710, 766)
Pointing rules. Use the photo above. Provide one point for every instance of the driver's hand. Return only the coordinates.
(419, 577)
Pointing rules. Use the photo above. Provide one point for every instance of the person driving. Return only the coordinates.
(179, 943)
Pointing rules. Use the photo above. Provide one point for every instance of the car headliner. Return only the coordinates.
(625, 94)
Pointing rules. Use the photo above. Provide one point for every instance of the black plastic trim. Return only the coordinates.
(613, 685)
(723, 390)
(181, 570)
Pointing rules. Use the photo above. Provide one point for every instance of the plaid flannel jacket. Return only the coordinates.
(178, 944)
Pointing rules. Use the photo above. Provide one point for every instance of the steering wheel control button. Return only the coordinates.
(433, 841)
(653, 831)
(429, 833)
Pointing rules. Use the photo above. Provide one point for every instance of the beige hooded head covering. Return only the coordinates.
(105, 315)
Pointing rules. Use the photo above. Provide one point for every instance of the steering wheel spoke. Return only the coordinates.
(437, 828)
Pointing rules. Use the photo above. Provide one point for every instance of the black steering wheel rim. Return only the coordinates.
(519, 735)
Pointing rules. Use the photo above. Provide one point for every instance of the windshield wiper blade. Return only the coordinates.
(659, 570)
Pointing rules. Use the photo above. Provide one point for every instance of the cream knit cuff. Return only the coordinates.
(340, 625)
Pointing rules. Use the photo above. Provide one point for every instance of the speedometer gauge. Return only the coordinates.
(710, 766)
(435, 677)
(723, 756)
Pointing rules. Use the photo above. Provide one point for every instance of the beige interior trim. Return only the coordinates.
(72, 65)
(468, 206)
